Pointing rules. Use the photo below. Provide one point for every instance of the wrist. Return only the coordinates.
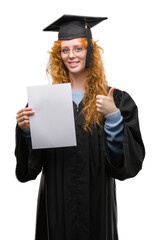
(113, 116)
(112, 111)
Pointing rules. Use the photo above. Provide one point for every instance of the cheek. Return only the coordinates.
(83, 59)
(65, 62)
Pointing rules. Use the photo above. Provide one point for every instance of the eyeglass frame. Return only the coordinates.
(73, 51)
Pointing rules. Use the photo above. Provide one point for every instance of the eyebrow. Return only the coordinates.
(73, 46)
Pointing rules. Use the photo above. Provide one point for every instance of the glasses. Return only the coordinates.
(77, 51)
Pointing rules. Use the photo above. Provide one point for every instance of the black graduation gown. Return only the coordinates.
(77, 198)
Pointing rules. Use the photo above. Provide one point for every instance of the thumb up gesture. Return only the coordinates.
(105, 104)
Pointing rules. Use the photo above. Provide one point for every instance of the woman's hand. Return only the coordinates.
(105, 104)
(23, 117)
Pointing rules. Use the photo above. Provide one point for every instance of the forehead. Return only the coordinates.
(71, 43)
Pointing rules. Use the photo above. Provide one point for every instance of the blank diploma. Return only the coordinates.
(52, 125)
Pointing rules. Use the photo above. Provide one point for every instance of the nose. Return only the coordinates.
(71, 54)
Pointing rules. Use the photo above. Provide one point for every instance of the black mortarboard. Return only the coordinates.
(73, 26)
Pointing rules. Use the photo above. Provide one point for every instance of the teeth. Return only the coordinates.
(73, 63)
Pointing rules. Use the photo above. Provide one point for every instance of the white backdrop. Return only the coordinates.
(130, 39)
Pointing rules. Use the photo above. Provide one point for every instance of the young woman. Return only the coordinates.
(77, 198)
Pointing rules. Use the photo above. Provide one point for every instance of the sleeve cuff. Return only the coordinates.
(113, 116)
(26, 132)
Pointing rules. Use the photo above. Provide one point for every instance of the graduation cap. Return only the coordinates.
(73, 26)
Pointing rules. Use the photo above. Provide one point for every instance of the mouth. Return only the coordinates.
(73, 64)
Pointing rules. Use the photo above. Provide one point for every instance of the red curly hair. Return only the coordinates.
(96, 83)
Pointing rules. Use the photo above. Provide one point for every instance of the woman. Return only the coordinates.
(77, 198)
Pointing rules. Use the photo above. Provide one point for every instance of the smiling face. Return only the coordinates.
(73, 55)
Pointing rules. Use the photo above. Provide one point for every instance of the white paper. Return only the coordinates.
(52, 124)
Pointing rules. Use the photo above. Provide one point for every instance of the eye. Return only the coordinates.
(78, 49)
(65, 50)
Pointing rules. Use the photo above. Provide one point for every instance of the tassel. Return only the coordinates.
(89, 49)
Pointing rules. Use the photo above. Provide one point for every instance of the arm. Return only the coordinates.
(113, 128)
(133, 146)
(27, 137)
(29, 161)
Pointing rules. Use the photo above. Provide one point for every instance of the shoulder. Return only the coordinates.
(122, 98)
(117, 94)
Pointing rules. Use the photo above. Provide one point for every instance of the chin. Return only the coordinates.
(76, 69)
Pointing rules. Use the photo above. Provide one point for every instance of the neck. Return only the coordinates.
(78, 80)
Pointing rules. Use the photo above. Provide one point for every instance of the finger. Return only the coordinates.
(25, 109)
(24, 124)
(98, 105)
(99, 110)
(110, 94)
(25, 113)
(21, 119)
(99, 101)
(99, 96)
